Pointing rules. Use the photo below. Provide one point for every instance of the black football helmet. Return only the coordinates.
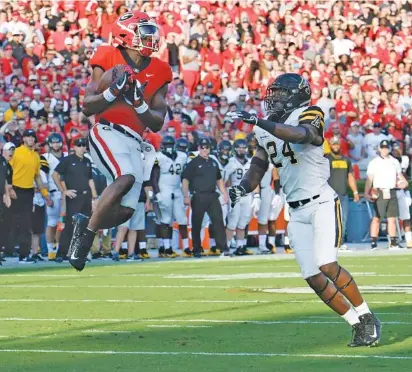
(182, 144)
(223, 151)
(240, 147)
(55, 141)
(287, 93)
(168, 145)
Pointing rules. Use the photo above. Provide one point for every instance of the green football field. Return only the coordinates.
(233, 314)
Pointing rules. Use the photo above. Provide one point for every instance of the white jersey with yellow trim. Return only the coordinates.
(53, 161)
(170, 170)
(303, 169)
(235, 170)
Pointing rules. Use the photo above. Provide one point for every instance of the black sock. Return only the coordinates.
(393, 241)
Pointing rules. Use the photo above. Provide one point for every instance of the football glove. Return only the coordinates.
(118, 87)
(244, 116)
(256, 204)
(235, 193)
(134, 96)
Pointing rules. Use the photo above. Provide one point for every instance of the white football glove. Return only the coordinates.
(256, 204)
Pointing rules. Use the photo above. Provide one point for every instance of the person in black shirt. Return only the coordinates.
(73, 176)
(6, 191)
(201, 176)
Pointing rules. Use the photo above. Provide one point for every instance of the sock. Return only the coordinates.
(351, 316)
(239, 243)
(408, 236)
(57, 246)
(286, 240)
(244, 242)
(160, 242)
(262, 241)
(185, 243)
(362, 309)
(271, 240)
(142, 245)
(393, 241)
(166, 243)
(50, 247)
(212, 242)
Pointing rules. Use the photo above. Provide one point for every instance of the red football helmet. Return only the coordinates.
(136, 30)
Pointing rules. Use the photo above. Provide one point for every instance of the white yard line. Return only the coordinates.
(103, 331)
(176, 326)
(210, 321)
(211, 354)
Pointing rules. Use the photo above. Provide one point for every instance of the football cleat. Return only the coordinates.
(372, 329)
(198, 253)
(358, 336)
(374, 246)
(37, 257)
(288, 250)
(242, 251)
(187, 253)
(170, 253)
(134, 258)
(144, 254)
(214, 252)
(226, 253)
(80, 244)
(27, 260)
(51, 255)
(162, 253)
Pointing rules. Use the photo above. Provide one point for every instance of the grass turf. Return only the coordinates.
(207, 315)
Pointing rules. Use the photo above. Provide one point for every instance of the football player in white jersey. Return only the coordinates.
(239, 216)
(167, 187)
(222, 157)
(53, 157)
(291, 138)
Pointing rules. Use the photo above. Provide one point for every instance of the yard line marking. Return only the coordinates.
(203, 353)
(139, 301)
(103, 331)
(212, 321)
(176, 326)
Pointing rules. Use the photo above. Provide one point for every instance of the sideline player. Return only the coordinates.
(167, 187)
(115, 141)
(291, 139)
(239, 216)
(53, 157)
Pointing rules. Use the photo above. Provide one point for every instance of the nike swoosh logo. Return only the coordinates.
(374, 333)
(149, 75)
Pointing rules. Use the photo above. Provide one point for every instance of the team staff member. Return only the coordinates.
(73, 176)
(5, 201)
(385, 175)
(201, 176)
(26, 172)
(341, 176)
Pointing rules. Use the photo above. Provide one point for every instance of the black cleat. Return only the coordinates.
(372, 329)
(358, 336)
(197, 253)
(81, 242)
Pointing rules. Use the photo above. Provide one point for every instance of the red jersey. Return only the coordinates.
(156, 75)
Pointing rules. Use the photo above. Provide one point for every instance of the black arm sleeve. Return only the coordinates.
(257, 170)
(154, 178)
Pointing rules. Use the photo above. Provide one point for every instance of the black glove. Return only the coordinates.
(244, 116)
(134, 96)
(235, 193)
(121, 84)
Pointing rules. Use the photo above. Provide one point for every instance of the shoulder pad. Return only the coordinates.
(313, 115)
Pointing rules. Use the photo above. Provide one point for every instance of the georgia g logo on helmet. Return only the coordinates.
(137, 31)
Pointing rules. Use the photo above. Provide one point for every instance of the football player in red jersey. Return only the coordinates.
(115, 141)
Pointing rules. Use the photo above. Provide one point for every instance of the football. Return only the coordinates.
(111, 75)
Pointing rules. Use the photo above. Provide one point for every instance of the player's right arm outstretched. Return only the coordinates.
(252, 178)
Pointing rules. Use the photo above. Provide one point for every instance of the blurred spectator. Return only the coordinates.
(372, 140)
(13, 111)
(355, 139)
(191, 65)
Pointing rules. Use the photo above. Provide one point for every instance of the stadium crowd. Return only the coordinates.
(357, 57)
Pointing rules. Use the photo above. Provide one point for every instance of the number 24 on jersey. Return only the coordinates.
(287, 152)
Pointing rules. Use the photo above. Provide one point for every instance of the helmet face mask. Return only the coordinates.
(223, 152)
(240, 147)
(182, 145)
(168, 146)
(55, 141)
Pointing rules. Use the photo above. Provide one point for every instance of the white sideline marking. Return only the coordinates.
(202, 353)
(211, 321)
